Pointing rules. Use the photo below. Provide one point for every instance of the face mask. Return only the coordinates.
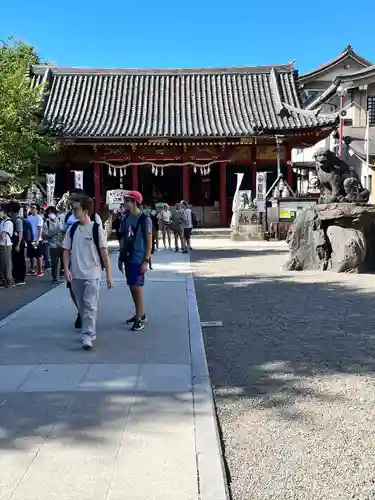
(52, 216)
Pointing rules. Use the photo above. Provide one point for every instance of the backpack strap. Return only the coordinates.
(95, 236)
(67, 215)
(73, 229)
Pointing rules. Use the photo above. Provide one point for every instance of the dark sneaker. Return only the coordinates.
(78, 323)
(20, 283)
(138, 325)
(134, 319)
(176, 250)
(55, 282)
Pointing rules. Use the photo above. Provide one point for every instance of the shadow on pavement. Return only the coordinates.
(278, 331)
(216, 254)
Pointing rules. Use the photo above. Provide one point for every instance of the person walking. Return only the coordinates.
(85, 253)
(6, 234)
(176, 227)
(22, 232)
(187, 225)
(135, 254)
(155, 228)
(52, 236)
(34, 247)
(165, 219)
(70, 218)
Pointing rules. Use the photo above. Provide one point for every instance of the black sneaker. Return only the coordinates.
(55, 282)
(134, 319)
(138, 325)
(78, 323)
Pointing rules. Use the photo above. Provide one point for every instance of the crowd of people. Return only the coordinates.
(71, 242)
(178, 222)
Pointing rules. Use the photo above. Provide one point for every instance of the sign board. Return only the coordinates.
(261, 187)
(115, 197)
(287, 215)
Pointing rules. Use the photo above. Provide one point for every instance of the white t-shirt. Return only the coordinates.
(72, 219)
(186, 218)
(84, 256)
(6, 232)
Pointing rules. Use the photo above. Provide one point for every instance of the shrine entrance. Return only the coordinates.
(160, 184)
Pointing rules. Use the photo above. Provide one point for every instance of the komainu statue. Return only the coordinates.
(338, 182)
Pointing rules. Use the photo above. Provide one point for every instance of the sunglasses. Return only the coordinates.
(128, 199)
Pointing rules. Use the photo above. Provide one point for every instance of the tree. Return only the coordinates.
(22, 140)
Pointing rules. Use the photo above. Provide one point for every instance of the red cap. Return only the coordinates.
(136, 196)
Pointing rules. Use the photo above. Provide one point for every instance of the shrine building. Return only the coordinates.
(176, 133)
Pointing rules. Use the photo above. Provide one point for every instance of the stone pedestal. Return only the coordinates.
(334, 236)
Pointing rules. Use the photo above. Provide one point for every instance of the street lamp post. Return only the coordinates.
(341, 92)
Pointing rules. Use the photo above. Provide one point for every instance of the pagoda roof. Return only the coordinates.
(347, 53)
(172, 103)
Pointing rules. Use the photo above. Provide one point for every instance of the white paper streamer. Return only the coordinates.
(78, 179)
(50, 184)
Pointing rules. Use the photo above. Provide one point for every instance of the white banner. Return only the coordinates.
(50, 184)
(261, 187)
(236, 200)
(78, 179)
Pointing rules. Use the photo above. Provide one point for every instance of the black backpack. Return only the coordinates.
(95, 236)
(28, 234)
(27, 231)
(127, 248)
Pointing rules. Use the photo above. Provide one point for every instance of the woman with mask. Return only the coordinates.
(52, 235)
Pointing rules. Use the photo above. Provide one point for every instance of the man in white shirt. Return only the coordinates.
(35, 248)
(85, 253)
(187, 224)
(70, 218)
(6, 234)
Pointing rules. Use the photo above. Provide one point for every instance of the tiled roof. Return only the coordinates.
(230, 102)
(348, 52)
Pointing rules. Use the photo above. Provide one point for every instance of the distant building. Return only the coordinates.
(320, 89)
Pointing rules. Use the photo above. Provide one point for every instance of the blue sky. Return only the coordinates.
(193, 33)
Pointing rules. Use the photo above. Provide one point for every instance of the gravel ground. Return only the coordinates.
(293, 369)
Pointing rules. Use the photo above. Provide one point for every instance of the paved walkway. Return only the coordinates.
(132, 419)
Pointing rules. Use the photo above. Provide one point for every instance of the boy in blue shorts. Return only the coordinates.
(135, 253)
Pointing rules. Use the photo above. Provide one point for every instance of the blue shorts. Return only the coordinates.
(133, 274)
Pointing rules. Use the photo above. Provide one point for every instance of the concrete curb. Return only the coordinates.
(212, 481)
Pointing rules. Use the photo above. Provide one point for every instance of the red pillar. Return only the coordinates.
(97, 190)
(67, 177)
(135, 177)
(223, 194)
(186, 183)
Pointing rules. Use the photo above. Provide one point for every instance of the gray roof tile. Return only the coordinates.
(229, 102)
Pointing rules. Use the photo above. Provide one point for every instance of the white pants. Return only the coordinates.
(86, 293)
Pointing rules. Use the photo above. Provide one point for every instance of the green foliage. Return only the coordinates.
(22, 140)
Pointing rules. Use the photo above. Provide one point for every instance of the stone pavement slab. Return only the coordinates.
(119, 420)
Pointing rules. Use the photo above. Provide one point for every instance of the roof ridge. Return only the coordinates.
(348, 51)
(286, 68)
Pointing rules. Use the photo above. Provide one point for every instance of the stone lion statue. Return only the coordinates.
(338, 182)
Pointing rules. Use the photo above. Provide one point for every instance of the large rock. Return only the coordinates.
(334, 236)
(348, 249)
